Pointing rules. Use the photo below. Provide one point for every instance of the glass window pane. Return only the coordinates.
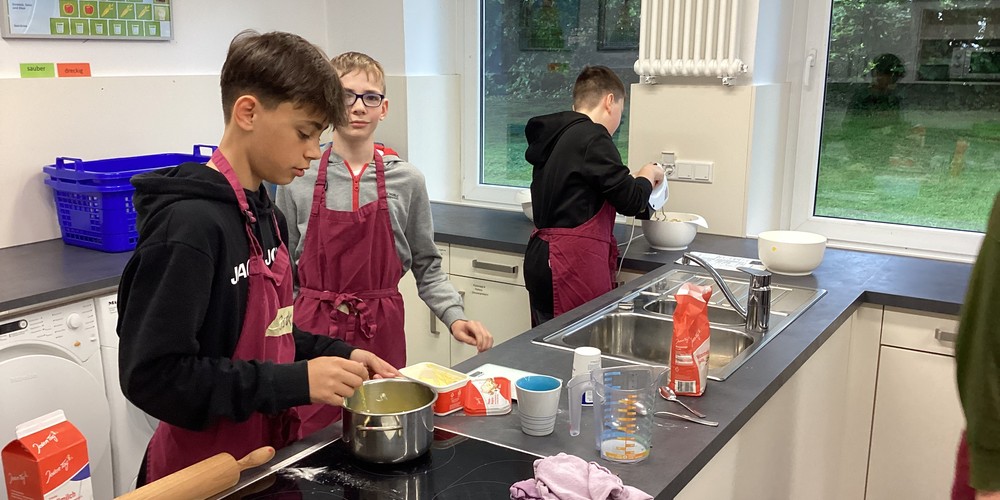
(911, 125)
(532, 52)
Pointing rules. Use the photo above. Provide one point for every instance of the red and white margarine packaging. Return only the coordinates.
(690, 343)
(447, 383)
(48, 460)
(487, 396)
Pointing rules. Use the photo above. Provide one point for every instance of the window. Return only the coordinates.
(908, 135)
(532, 51)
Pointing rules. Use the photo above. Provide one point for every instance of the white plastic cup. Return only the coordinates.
(586, 359)
(538, 403)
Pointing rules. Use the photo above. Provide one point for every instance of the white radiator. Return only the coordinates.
(690, 38)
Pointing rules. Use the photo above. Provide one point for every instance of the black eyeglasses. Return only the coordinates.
(369, 99)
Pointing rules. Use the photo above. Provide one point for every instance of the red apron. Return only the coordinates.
(349, 282)
(960, 489)
(266, 336)
(577, 257)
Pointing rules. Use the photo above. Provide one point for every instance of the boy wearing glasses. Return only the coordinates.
(356, 224)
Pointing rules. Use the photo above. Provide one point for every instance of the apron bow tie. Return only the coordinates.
(348, 303)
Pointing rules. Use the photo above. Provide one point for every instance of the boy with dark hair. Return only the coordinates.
(205, 303)
(578, 183)
(357, 225)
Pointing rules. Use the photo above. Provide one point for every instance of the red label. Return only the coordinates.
(71, 70)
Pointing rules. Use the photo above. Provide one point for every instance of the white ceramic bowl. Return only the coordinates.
(524, 198)
(674, 230)
(793, 253)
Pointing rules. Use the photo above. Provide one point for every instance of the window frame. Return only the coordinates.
(943, 244)
(472, 115)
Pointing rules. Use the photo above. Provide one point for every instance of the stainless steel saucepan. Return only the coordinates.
(389, 421)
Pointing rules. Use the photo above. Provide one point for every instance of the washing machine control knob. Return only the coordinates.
(73, 321)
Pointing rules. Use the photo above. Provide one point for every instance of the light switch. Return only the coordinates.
(685, 171)
(703, 172)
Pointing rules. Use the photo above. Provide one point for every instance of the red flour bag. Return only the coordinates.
(689, 346)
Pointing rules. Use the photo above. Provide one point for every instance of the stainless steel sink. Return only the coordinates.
(639, 328)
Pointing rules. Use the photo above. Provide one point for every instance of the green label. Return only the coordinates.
(135, 29)
(58, 26)
(79, 27)
(106, 10)
(126, 10)
(98, 27)
(38, 70)
(161, 13)
(69, 8)
(116, 28)
(88, 9)
(144, 11)
(152, 28)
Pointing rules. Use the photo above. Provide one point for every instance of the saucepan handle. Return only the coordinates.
(366, 428)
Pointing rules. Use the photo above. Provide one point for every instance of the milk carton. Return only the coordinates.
(48, 460)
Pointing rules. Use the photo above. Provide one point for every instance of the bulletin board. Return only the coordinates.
(88, 19)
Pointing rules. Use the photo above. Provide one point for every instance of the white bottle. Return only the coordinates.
(586, 359)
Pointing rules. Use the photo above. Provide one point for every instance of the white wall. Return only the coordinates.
(144, 98)
(417, 43)
(741, 129)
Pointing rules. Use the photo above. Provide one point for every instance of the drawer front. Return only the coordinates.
(928, 332)
(486, 264)
(445, 251)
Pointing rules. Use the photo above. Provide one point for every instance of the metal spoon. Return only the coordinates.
(667, 393)
(686, 417)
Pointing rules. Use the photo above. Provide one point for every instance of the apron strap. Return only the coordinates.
(221, 163)
(319, 190)
(383, 202)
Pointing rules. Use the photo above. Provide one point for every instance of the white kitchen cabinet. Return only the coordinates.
(427, 338)
(791, 448)
(918, 418)
(492, 287)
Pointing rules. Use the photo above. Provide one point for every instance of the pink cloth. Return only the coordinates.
(568, 477)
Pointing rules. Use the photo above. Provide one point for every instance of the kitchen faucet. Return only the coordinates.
(758, 308)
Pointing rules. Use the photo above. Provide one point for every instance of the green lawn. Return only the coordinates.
(912, 172)
(900, 174)
(504, 142)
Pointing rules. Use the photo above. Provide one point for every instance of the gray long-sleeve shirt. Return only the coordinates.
(409, 212)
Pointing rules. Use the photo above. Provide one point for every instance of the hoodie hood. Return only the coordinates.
(543, 132)
(157, 190)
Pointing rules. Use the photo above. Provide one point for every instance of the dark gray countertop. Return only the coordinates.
(51, 271)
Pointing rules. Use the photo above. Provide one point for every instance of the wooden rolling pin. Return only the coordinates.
(203, 479)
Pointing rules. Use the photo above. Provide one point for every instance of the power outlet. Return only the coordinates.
(693, 171)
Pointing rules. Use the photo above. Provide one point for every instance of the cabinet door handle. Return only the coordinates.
(945, 337)
(434, 324)
(489, 266)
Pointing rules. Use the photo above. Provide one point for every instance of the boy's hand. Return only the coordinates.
(331, 379)
(652, 171)
(472, 333)
(376, 366)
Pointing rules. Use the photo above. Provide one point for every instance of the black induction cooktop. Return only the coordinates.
(456, 467)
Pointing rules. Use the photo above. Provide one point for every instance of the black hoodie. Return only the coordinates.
(576, 168)
(181, 305)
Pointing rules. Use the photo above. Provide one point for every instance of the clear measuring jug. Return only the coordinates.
(623, 409)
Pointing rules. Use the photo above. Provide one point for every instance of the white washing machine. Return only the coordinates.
(131, 428)
(49, 360)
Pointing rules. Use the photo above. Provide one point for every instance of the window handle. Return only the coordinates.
(807, 69)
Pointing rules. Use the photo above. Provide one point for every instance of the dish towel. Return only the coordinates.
(569, 477)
